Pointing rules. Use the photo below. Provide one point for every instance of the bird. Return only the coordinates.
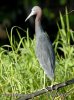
(44, 50)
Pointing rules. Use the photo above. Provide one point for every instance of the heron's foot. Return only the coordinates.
(46, 90)
(51, 87)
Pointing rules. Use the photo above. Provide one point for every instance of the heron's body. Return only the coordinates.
(45, 54)
(44, 50)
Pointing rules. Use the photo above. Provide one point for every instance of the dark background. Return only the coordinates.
(14, 12)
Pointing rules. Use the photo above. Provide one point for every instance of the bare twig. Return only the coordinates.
(49, 88)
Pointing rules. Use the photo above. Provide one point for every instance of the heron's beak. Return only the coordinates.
(31, 14)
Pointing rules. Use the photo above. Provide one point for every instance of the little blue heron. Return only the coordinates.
(44, 50)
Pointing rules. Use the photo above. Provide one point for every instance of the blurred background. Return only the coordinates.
(14, 12)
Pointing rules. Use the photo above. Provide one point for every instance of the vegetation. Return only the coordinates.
(20, 72)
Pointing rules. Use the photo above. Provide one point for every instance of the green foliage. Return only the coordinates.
(20, 72)
(65, 62)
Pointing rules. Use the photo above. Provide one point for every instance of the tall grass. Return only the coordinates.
(65, 62)
(21, 73)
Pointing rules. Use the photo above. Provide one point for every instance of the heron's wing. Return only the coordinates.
(45, 54)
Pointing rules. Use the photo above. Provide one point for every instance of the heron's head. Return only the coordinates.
(36, 10)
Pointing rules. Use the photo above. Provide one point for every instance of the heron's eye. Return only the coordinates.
(33, 10)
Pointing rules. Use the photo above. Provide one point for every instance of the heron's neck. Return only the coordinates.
(38, 28)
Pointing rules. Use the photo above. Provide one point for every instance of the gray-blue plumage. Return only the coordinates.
(45, 53)
(44, 50)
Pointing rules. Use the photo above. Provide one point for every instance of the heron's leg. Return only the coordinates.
(44, 80)
(52, 82)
